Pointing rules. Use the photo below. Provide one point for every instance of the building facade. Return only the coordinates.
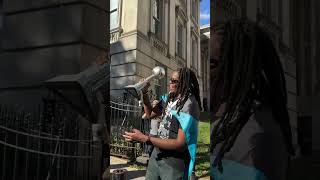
(205, 65)
(276, 17)
(145, 34)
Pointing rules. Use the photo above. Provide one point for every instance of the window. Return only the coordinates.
(114, 14)
(181, 34)
(179, 40)
(157, 17)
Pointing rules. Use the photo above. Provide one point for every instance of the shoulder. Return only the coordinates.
(191, 107)
(191, 103)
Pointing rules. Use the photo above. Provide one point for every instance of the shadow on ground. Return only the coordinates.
(136, 174)
(118, 166)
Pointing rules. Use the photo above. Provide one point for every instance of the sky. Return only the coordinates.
(204, 12)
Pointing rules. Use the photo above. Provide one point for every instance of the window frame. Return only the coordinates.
(179, 41)
(157, 20)
(118, 10)
(181, 19)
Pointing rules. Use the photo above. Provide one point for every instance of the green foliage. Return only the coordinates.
(203, 158)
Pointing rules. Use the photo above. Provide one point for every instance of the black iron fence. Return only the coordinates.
(125, 115)
(52, 142)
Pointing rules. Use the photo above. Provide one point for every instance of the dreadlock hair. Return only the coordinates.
(250, 71)
(188, 85)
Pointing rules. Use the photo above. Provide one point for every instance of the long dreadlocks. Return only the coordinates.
(188, 85)
(249, 72)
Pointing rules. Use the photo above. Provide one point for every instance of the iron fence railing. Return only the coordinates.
(54, 141)
(51, 142)
(125, 115)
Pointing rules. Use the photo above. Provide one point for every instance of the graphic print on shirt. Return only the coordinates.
(165, 124)
(164, 128)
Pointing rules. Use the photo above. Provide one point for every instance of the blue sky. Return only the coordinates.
(204, 12)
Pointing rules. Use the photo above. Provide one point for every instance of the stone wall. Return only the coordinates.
(44, 39)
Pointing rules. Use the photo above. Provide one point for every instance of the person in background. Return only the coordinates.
(154, 124)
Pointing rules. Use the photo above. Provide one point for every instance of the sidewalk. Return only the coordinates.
(133, 173)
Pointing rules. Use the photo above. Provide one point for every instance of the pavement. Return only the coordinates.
(301, 168)
(132, 173)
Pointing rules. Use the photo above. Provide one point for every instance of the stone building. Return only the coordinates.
(205, 65)
(145, 34)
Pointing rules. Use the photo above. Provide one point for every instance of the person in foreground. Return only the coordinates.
(251, 134)
(176, 143)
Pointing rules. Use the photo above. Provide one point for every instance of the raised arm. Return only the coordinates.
(151, 112)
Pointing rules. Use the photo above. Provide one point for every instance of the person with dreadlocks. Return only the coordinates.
(175, 144)
(250, 134)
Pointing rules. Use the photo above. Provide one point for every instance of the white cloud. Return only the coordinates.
(205, 16)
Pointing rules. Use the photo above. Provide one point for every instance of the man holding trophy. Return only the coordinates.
(175, 144)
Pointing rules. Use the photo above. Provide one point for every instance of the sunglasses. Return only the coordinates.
(174, 81)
